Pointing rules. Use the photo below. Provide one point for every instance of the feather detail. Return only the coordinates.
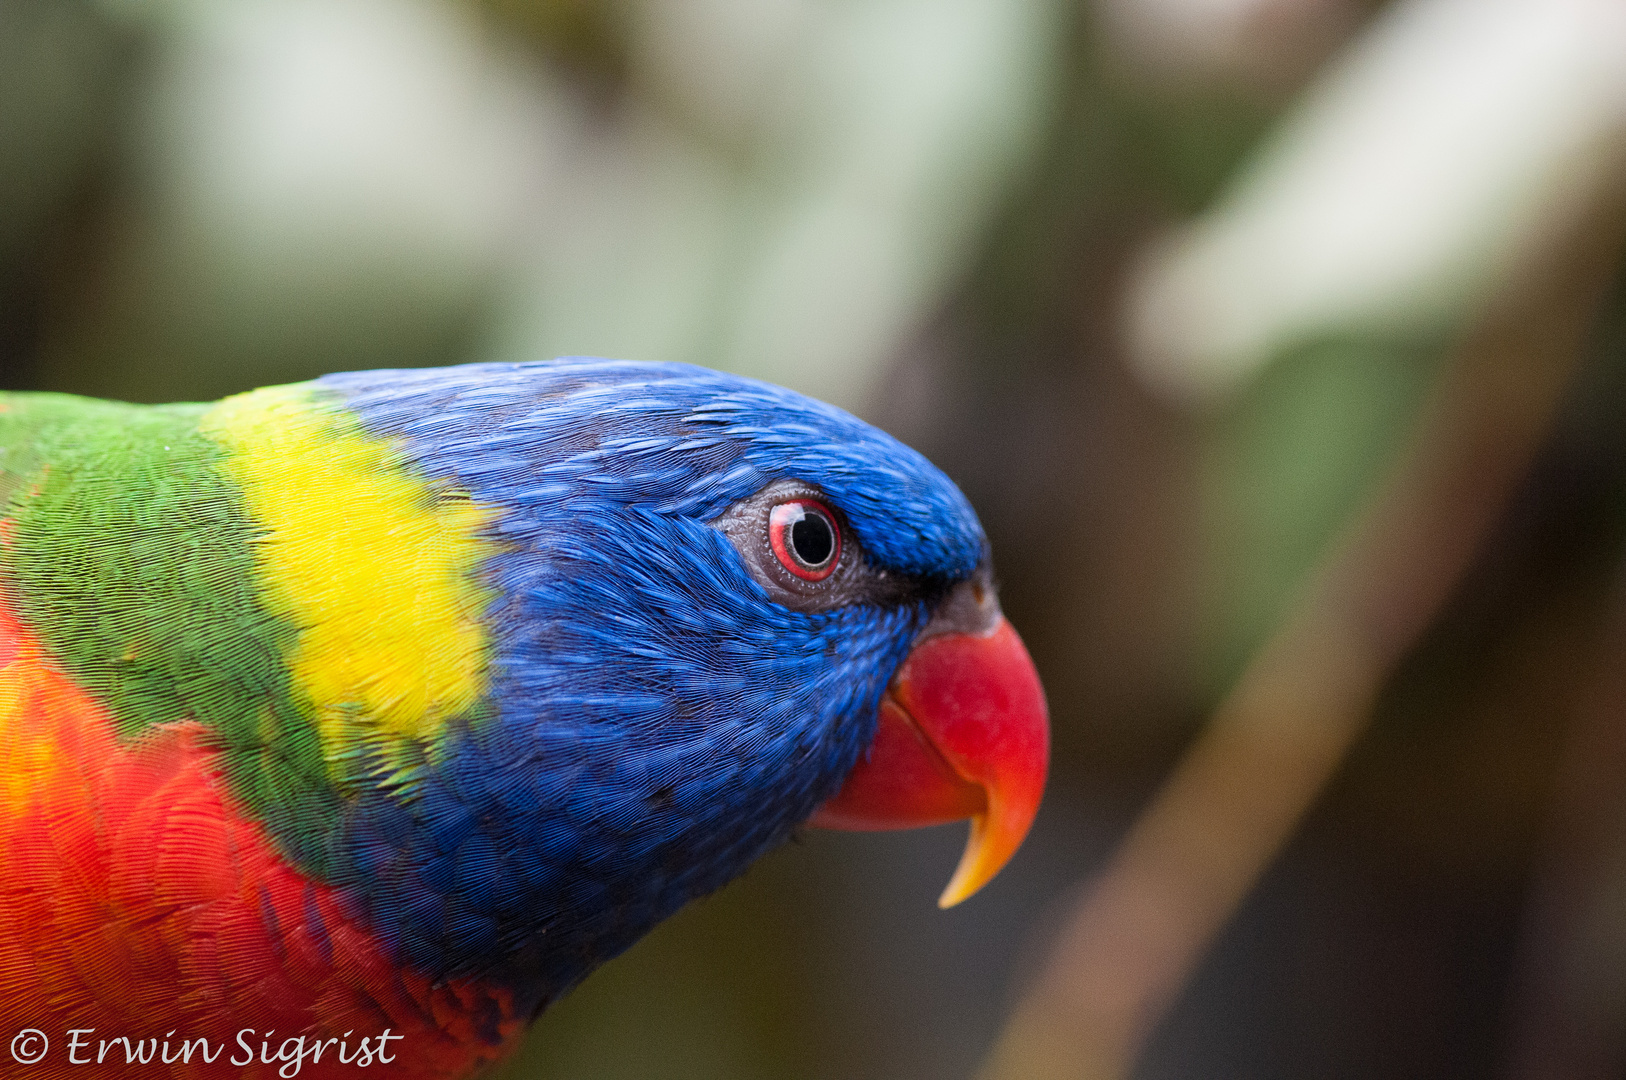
(390, 641)
(406, 698)
(138, 900)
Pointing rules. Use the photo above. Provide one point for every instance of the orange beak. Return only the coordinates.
(963, 733)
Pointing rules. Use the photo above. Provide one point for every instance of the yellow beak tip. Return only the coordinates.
(978, 865)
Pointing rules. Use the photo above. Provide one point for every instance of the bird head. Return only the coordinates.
(712, 610)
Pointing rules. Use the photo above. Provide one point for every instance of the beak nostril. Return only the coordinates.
(971, 607)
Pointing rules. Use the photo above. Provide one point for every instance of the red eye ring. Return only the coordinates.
(798, 531)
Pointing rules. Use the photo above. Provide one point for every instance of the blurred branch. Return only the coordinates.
(1279, 736)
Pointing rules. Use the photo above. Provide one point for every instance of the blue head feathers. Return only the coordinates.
(660, 711)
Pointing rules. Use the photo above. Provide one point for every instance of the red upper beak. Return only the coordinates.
(963, 732)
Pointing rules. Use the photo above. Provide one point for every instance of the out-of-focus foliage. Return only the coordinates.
(1280, 473)
(59, 66)
(352, 183)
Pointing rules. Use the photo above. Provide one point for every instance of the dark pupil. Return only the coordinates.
(812, 539)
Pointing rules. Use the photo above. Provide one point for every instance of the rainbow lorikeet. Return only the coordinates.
(355, 721)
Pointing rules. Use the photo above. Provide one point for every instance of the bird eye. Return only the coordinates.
(805, 538)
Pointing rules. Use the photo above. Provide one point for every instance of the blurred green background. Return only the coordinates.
(1163, 284)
